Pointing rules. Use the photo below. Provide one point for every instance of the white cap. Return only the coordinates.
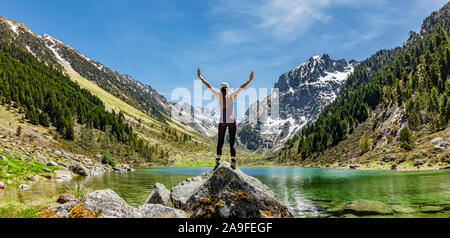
(224, 85)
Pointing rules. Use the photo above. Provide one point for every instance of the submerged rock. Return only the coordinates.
(431, 209)
(108, 204)
(160, 211)
(226, 192)
(402, 209)
(63, 175)
(362, 208)
(159, 195)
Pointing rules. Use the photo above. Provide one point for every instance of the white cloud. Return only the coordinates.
(269, 18)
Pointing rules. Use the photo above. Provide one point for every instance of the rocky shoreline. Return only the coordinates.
(223, 193)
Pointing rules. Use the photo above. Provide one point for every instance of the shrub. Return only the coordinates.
(78, 189)
(108, 159)
(406, 137)
(364, 145)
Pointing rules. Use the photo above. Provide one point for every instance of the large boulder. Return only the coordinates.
(80, 169)
(108, 204)
(226, 192)
(184, 190)
(159, 195)
(160, 211)
(97, 170)
(362, 208)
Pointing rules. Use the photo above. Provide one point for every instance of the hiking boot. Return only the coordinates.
(233, 163)
(217, 164)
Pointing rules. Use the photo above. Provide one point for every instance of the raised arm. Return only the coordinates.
(199, 74)
(235, 93)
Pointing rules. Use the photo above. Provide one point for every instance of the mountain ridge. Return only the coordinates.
(302, 94)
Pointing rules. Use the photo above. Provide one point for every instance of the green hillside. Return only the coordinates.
(415, 78)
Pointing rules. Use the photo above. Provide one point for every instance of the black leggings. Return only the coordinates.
(231, 132)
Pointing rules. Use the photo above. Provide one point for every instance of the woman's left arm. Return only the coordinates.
(235, 93)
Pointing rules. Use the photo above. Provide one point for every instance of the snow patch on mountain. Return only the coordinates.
(302, 94)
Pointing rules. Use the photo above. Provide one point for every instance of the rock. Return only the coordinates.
(159, 195)
(213, 193)
(389, 158)
(97, 170)
(110, 205)
(24, 187)
(52, 163)
(362, 208)
(120, 169)
(58, 211)
(65, 198)
(9, 182)
(430, 164)
(381, 162)
(446, 167)
(394, 166)
(47, 176)
(160, 211)
(431, 209)
(437, 139)
(63, 175)
(184, 190)
(80, 169)
(3, 158)
(31, 177)
(62, 165)
(47, 170)
(402, 209)
(354, 166)
(418, 162)
(441, 145)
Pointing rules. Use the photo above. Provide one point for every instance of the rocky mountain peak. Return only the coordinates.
(303, 93)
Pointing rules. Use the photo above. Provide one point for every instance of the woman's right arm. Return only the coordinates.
(199, 74)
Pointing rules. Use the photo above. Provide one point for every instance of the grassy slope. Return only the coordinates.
(198, 152)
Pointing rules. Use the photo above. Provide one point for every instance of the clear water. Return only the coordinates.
(308, 191)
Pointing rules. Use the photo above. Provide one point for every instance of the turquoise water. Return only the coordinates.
(308, 191)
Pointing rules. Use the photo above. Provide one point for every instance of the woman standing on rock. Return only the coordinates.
(227, 118)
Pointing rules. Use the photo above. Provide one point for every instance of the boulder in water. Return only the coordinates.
(80, 169)
(227, 192)
(159, 195)
(362, 208)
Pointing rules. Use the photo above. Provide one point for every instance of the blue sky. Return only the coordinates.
(161, 43)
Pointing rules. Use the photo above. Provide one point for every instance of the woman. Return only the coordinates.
(227, 118)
